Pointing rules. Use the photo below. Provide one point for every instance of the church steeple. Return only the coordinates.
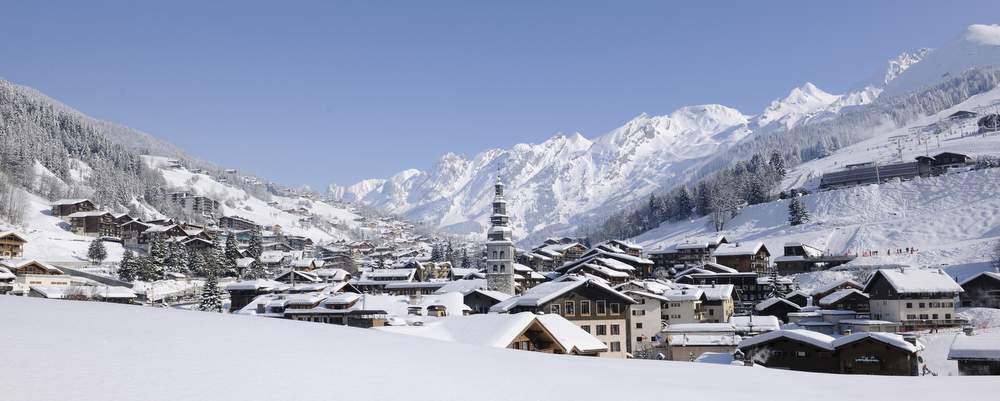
(499, 247)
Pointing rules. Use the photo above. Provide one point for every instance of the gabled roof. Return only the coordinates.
(69, 201)
(91, 213)
(836, 284)
(839, 295)
(545, 292)
(767, 303)
(738, 249)
(914, 281)
(816, 339)
(980, 347)
(15, 234)
(890, 339)
(992, 275)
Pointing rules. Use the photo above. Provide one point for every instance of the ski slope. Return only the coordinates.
(951, 220)
(63, 350)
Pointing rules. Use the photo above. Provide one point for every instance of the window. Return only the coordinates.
(615, 330)
(909, 304)
(586, 328)
(923, 316)
(711, 312)
(503, 269)
(947, 316)
(638, 325)
(584, 308)
(494, 254)
(616, 308)
(601, 308)
(602, 330)
(934, 316)
(800, 354)
(554, 309)
(638, 339)
(922, 305)
(495, 268)
(616, 346)
(911, 317)
(570, 308)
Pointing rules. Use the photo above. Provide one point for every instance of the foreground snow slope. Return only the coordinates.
(62, 350)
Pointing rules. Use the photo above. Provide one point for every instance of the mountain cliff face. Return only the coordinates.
(559, 184)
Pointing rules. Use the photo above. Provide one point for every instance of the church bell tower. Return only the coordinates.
(499, 247)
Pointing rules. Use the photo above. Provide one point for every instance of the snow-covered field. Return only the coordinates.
(256, 209)
(950, 220)
(61, 350)
(49, 238)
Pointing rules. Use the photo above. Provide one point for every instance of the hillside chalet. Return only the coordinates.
(12, 244)
(691, 252)
(744, 256)
(981, 290)
(66, 207)
(914, 298)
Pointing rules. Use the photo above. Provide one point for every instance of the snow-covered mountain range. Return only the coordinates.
(557, 185)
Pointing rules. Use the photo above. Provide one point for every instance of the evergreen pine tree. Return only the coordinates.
(466, 263)
(196, 263)
(158, 252)
(797, 213)
(435, 253)
(147, 270)
(127, 268)
(211, 295)
(778, 165)
(177, 262)
(683, 203)
(96, 253)
(255, 247)
(256, 271)
(229, 255)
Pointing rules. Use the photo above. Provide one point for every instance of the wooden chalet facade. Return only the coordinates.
(870, 353)
(745, 257)
(594, 307)
(12, 245)
(66, 207)
(981, 290)
(94, 223)
(914, 298)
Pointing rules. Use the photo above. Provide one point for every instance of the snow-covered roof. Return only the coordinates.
(816, 339)
(104, 291)
(694, 340)
(767, 303)
(679, 328)
(838, 295)
(4, 234)
(993, 275)
(910, 281)
(684, 294)
(719, 268)
(755, 323)
(738, 249)
(718, 292)
(251, 285)
(6, 274)
(891, 339)
(980, 347)
(571, 336)
(69, 201)
(91, 213)
(838, 283)
(545, 292)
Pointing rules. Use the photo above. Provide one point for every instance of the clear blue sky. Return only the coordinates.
(314, 92)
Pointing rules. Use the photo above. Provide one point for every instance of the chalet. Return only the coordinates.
(352, 309)
(131, 232)
(595, 307)
(305, 264)
(298, 242)
(683, 305)
(688, 347)
(844, 284)
(521, 331)
(981, 290)
(744, 256)
(12, 244)
(777, 307)
(94, 223)
(196, 244)
(801, 258)
(31, 267)
(242, 293)
(332, 275)
(849, 299)
(277, 246)
(801, 350)
(749, 288)
(914, 298)
(163, 231)
(691, 252)
(976, 355)
(874, 353)
(275, 259)
(66, 207)
(376, 280)
(625, 247)
(718, 305)
(475, 293)
(871, 353)
(237, 223)
(799, 297)
(7, 280)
